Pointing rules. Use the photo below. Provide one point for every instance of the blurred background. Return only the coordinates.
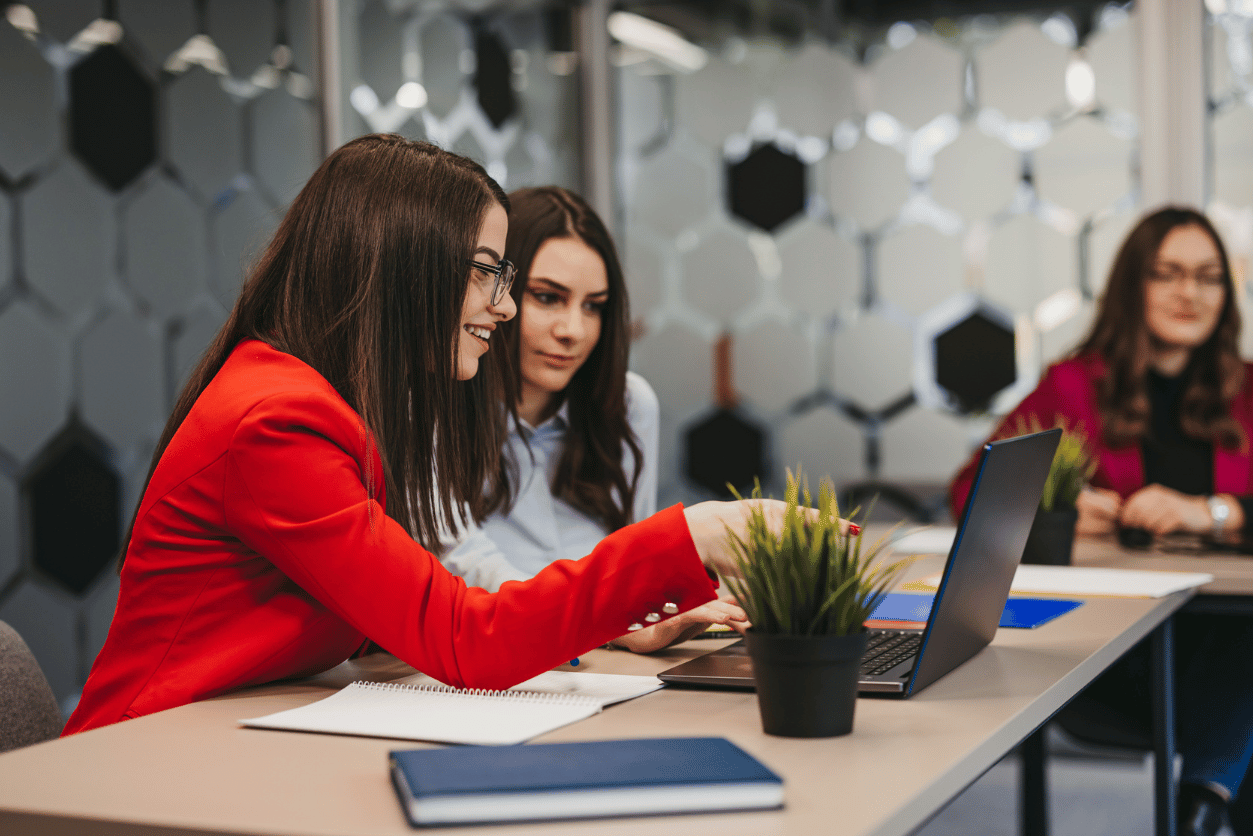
(854, 231)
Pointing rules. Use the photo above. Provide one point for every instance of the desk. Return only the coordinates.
(194, 770)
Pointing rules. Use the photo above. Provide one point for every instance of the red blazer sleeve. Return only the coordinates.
(295, 492)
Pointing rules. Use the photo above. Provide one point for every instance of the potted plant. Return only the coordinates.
(1052, 534)
(808, 590)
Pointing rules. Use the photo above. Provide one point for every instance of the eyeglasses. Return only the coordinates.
(502, 277)
(1205, 277)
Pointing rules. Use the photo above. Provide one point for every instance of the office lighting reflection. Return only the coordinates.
(411, 95)
(1080, 83)
(658, 40)
(363, 99)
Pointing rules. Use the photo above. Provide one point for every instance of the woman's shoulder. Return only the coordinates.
(641, 401)
(1080, 370)
(258, 378)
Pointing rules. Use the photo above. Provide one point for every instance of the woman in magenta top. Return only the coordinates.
(276, 533)
(1166, 404)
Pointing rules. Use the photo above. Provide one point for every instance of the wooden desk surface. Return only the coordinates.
(1233, 573)
(194, 770)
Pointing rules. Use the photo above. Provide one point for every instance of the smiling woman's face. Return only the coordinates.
(1184, 290)
(478, 315)
(565, 296)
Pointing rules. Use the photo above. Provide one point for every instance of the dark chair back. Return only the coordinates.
(28, 710)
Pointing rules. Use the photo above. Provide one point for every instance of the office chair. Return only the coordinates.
(28, 710)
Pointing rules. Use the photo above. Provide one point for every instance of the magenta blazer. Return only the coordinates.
(1068, 392)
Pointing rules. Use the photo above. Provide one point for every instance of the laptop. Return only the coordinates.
(991, 534)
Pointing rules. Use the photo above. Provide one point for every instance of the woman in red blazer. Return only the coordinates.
(276, 533)
(1166, 404)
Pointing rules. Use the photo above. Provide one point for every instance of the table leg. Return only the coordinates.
(1033, 785)
(1165, 787)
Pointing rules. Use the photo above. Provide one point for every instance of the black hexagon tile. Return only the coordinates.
(974, 360)
(725, 448)
(767, 187)
(493, 78)
(73, 497)
(113, 124)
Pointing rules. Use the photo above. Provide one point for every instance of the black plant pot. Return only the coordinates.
(1051, 538)
(806, 685)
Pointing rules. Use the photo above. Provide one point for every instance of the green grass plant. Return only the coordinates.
(1073, 465)
(809, 579)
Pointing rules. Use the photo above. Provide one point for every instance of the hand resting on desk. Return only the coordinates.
(685, 626)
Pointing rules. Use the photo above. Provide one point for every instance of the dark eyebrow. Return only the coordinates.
(495, 255)
(559, 286)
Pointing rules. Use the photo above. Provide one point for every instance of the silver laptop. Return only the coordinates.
(973, 589)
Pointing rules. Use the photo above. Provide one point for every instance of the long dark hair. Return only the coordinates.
(1120, 335)
(590, 474)
(364, 281)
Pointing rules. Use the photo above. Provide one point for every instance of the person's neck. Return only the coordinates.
(1169, 361)
(535, 405)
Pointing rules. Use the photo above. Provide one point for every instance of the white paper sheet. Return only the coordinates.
(1093, 581)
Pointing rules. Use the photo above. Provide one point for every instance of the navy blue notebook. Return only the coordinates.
(544, 781)
(1018, 612)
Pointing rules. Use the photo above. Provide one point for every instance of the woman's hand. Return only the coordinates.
(1098, 511)
(685, 625)
(1162, 510)
(709, 523)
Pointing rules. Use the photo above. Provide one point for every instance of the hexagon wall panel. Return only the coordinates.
(975, 359)
(30, 118)
(715, 102)
(774, 365)
(68, 206)
(284, 143)
(244, 30)
(1022, 74)
(867, 183)
(815, 90)
(240, 232)
(919, 267)
(47, 621)
(720, 274)
(443, 43)
(767, 187)
(10, 542)
(726, 448)
(872, 361)
(918, 82)
(34, 361)
(74, 497)
(160, 26)
(823, 443)
(63, 19)
(975, 197)
(122, 385)
(165, 247)
(1084, 167)
(113, 119)
(822, 270)
(671, 193)
(493, 78)
(198, 107)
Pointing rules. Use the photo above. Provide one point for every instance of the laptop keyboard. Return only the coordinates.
(888, 648)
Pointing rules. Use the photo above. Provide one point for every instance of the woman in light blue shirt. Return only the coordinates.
(583, 447)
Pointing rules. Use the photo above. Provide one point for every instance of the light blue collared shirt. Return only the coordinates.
(540, 527)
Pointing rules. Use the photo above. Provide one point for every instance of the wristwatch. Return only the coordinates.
(1219, 511)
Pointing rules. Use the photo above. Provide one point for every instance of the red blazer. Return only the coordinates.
(261, 551)
(1068, 391)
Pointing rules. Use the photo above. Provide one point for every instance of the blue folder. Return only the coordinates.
(1027, 613)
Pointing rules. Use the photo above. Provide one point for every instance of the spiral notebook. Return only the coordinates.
(440, 713)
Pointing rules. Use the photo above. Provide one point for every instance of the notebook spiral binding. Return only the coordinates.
(484, 693)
